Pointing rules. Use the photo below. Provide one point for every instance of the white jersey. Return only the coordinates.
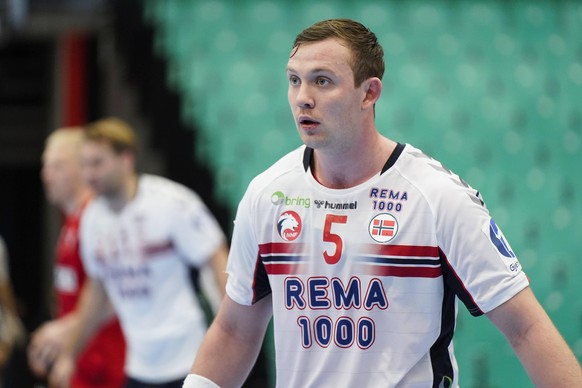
(142, 255)
(364, 281)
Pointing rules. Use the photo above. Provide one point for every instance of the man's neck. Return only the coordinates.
(351, 167)
(74, 205)
(125, 195)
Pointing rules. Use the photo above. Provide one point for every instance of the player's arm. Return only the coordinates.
(93, 309)
(232, 344)
(543, 352)
(13, 332)
(218, 265)
(200, 240)
(48, 341)
(213, 277)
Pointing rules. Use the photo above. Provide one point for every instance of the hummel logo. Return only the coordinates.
(335, 205)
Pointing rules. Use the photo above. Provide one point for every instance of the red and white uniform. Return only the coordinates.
(365, 281)
(101, 364)
(143, 255)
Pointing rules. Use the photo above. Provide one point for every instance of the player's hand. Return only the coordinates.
(45, 346)
(61, 372)
(12, 334)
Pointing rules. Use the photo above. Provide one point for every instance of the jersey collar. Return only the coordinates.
(308, 156)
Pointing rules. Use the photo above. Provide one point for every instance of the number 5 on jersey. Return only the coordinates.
(328, 236)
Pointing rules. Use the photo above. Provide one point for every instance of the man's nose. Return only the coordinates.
(304, 98)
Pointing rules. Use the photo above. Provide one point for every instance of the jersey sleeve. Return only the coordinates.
(88, 244)
(245, 270)
(478, 262)
(195, 231)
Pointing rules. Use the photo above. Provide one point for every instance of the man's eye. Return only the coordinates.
(294, 80)
(322, 81)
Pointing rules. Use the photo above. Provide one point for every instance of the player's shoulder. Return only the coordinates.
(155, 188)
(429, 175)
(290, 164)
(95, 212)
(93, 208)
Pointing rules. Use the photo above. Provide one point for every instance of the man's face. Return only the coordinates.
(61, 172)
(325, 103)
(103, 169)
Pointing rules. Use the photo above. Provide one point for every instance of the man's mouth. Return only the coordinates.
(307, 122)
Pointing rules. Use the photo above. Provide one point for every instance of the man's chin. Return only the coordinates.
(52, 199)
(98, 191)
(316, 144)
(312, 140)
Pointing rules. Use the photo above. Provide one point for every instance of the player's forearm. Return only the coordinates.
(546, 357)
(81, 330)
(69, 322)
(225, 359)
(86, 330)
(90, 313)
(218, 263)
(543, 352)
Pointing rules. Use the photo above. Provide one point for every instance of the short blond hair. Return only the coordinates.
(69, 136)
(112, 131)
(67, 139)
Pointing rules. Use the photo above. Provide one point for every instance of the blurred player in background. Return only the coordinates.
(12, 332)
(101, 362)
(140, 237)
(360, 248)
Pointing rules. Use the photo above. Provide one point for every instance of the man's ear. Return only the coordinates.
(129, 159)
(373, 89)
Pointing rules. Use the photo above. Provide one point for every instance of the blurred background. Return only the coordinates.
(493, 89)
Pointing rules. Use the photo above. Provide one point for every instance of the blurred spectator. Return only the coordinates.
(102, 360)
(140, 237)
